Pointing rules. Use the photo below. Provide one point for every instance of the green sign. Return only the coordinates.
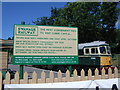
(43, 45)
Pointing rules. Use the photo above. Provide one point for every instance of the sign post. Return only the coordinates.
(70, 70)
(21, 70)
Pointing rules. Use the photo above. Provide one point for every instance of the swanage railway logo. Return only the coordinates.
(31, 31)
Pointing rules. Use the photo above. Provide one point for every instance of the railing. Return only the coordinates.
(52, 79)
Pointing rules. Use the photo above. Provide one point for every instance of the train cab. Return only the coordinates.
(95, 53)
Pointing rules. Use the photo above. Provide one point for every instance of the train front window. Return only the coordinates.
(108, 50)
(102, 50)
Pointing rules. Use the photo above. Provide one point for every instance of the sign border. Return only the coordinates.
(14, 32)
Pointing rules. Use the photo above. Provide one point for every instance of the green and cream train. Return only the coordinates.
(96, 53)
(92, 55)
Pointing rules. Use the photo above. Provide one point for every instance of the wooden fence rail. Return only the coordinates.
(52, 79)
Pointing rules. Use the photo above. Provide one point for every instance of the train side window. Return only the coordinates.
(93, 50)
(96, 50)
(87, 51)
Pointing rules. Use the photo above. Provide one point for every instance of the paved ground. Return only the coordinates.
(30, 70)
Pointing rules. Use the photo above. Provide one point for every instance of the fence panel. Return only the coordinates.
(25, 77)
(75, 75)
(82, 77)
(52, 79)
(59, 76)
(43, 78)
(90, 75)
(16, 79)
(7, 78)
(67, 76)
(96, 74)
(103, 74)
(116, 72)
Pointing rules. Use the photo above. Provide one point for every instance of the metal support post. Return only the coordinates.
(21, 71)
(70, 70)
(21, 66)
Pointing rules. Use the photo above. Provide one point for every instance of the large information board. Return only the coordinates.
(45, 45)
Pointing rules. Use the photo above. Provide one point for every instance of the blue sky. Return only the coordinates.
(14, 13)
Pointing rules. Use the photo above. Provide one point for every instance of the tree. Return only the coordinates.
(55, 13)
(9, 38)
(13, 38)
(108, 19)
(95, 21)
(117, 41)
(85, 16)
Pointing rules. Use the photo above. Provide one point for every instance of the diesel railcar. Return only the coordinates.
(92, 55)
(96, 53)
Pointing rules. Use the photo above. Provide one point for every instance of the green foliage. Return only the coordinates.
(117, 47)
(109, 18)
(9, 38)
(116, 59)
(13, 38)
(95, 20)
(118, 35)
(85, 16)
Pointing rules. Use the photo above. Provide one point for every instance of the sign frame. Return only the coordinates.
(73, 58)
